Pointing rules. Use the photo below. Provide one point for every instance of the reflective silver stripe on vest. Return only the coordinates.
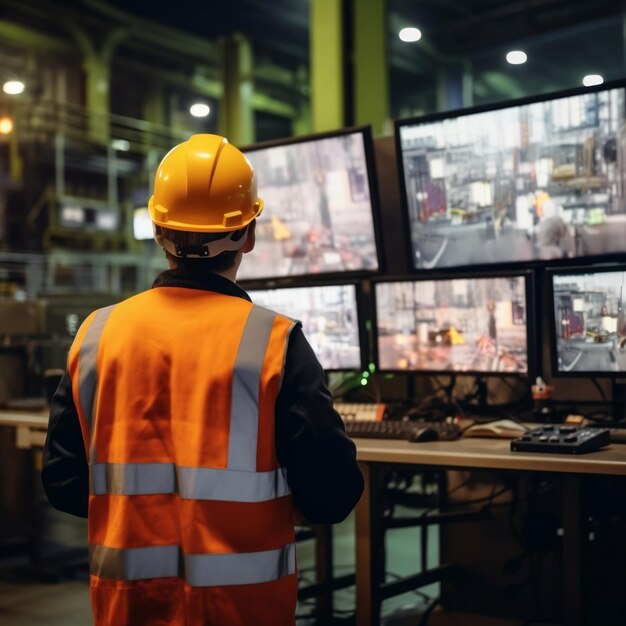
(192, 483)
(199, 570)
(131, 479)
(87, 358)
(232, 486)
(244, 413)
(248, 568)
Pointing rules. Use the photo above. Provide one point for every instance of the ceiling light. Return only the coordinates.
(199, 109)
(13, 87)
(592, 79)
(516, 57)
(410, 34)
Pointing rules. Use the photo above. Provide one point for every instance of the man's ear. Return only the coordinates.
(250, 238)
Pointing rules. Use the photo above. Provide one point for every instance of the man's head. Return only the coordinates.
(204, 204)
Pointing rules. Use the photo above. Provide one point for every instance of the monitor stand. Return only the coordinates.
(481, 395)
(618, 405)
(482, 409)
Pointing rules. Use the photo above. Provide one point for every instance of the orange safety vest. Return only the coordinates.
(190, 514)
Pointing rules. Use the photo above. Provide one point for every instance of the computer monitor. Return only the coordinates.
(588, 324)
(454, 325)
(531, 180)
(330, 320)
(320, 206)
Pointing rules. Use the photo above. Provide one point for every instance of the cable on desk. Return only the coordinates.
(597, 385)
(429, 400)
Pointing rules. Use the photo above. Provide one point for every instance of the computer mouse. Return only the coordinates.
(424, 434)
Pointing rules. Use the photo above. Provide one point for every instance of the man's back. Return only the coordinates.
(186, 485)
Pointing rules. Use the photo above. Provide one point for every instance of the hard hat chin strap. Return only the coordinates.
(206, 250)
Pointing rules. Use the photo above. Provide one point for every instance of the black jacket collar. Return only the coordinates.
(208, 282)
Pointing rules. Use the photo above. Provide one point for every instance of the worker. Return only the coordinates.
(193, 428)
(554, 238)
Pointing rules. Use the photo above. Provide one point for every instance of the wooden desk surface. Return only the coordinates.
(30, 427)
(490, 453)
(471, 452)
(31, 419)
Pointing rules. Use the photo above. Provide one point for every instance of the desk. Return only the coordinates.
(479, 454)
(30, 427)
(30, 435)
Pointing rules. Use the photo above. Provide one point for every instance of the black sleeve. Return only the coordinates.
(65, 473)
(311, 442)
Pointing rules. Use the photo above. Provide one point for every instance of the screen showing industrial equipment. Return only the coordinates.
(453, 325)
(319, 206)
(589, 332)
(533, 181)
(329, 320)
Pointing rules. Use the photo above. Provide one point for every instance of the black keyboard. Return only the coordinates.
(562, 440)
(407, 430)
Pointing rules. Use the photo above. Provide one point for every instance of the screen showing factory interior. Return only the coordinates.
(329, 320)
(590, 327)
(453, 325)
(318, 208)
(538, 181)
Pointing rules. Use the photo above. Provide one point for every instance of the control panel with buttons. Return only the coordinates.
(562, 439)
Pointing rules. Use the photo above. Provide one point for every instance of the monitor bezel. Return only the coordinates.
(361, 313)
(552, 330)
(531, 321)
(399, 123)
(370, 164)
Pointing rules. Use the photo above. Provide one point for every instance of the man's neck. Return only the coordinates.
(230, 274)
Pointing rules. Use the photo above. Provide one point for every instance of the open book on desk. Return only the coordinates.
(497, 429)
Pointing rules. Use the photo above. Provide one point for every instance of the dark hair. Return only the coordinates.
(219, 263)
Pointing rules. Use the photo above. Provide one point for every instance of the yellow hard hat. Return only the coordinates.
(205, 185)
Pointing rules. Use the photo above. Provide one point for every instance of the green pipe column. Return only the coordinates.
(327, 65)
(97, 66)
(370, 65)
(236, 116)
(154, 104)
(301, 124)
(16, 164)
(97, 91)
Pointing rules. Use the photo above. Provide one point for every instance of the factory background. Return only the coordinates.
(95, 93)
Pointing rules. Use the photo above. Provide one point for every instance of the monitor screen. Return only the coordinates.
(319, 206)
(537, 180)
(453, 325)
(329, 320)
(588, 334)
